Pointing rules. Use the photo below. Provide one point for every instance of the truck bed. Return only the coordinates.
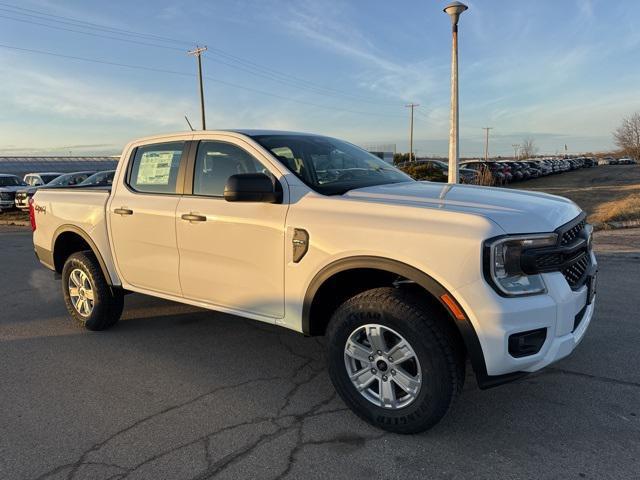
(83, 207)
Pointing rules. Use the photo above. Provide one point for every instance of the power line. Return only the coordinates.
(240, 67)
(128, 40)
(86, 24)
(243, 64)
(174, 72)
(294, 80)
(252, 70)
(312, 89)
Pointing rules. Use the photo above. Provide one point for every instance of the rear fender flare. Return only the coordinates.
(85, 236)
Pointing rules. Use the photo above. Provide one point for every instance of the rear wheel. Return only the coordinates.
(394, 360)
(88, 298)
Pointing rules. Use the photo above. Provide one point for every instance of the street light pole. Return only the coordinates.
(411, 106)
(454, 9)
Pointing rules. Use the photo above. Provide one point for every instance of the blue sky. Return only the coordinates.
(561, 72)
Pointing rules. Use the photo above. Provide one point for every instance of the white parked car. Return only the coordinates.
(33, 182)
(406, 279)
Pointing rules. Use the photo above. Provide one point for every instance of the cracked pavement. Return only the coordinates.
(175, 392)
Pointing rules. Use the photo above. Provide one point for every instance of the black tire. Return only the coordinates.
(107, 303)
(425, 327)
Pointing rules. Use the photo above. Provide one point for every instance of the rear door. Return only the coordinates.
(142, 216)
(231, 253)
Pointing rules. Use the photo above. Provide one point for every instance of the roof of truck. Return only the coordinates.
(242, 131)
(253, 132)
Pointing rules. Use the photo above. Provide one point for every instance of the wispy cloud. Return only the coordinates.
(327, 25)
(30, 89)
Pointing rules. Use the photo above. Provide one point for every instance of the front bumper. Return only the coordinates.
(22, 201)
(496, 318)
(6, 204)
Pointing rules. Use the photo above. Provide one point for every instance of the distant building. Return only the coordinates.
(22, 165)
(385, 151)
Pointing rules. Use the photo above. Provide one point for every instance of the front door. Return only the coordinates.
(231, 253)
(142, 216)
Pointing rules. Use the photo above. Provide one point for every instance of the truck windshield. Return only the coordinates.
(46, 178)
(11, 182)
(69, 179)
(330, 166)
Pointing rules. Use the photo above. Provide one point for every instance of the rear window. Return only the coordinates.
(155, 168)
(49, 178)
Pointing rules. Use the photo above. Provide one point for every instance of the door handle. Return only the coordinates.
(123, 211)
(192, 217)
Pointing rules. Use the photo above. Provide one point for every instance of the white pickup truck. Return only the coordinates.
(408, 280)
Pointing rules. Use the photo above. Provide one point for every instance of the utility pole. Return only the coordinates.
(197, 52)
(411, 106)
(516, 147)
(486, 142)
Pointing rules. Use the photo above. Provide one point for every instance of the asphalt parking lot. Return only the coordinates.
(177, 392)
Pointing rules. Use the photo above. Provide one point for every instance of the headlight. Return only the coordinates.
(503, 268)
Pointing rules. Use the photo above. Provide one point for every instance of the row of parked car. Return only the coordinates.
(616, 161)
(503, 172)
(496, 173)
(16, 192)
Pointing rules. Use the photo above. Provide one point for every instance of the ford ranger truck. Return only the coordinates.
(409, 281)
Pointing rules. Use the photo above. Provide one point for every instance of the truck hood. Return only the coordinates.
(515, 211)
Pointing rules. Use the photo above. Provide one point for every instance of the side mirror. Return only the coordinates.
(251, 187)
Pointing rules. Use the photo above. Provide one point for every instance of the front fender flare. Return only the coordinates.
(466, 329)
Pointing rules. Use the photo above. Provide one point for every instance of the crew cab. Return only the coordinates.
(407, 280)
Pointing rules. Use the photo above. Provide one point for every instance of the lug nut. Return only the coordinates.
(374, 371)
(371, 358)
(391, 359)
(384, 378)
(393, 372)
(379, 352)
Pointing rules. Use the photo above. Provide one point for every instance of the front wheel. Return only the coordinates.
(88, 298)
(394, 360)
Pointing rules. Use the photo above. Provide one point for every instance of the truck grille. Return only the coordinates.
(571, 234)
(548, 260)
(575, 274)
(7, 195)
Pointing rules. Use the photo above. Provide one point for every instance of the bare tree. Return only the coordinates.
(627, 136)
(528, 148)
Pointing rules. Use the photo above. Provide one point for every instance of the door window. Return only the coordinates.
(216, 162)
(155, 168)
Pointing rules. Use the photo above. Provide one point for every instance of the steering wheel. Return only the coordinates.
(346, 176)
